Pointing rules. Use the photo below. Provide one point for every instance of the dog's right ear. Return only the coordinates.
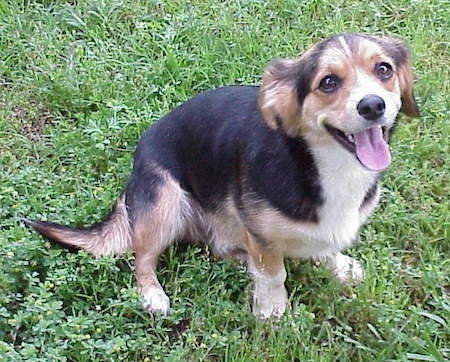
(278, 96)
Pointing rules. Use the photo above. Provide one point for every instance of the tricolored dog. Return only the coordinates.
(289, 168)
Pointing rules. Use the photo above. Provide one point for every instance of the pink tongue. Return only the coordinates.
(371, 149)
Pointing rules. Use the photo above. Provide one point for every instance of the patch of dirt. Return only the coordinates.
(179, 328)
(33, 118)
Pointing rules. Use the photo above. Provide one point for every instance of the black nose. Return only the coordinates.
(371, 107)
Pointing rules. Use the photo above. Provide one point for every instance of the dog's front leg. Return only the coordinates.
(344, 268)
(266, 268)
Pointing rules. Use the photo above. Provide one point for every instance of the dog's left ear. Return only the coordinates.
(278, 97)
(406, 79)
(405, 76)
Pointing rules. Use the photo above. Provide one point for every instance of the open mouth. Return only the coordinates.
(370, 146)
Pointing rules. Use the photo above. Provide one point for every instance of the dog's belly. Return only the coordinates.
(227, 232)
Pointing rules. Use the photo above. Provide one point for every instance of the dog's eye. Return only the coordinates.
(383, 71)
(329, 83)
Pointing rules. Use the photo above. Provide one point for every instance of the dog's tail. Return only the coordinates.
(112, 236)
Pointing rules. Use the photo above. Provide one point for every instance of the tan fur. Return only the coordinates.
(268, 259)
(158, 227)
(277, 99)
(110, 237)
(266, 267)
(406, 80)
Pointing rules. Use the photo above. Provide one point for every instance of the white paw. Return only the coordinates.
(270, 297)
(270, 302)
(345, 269)
(155, 300)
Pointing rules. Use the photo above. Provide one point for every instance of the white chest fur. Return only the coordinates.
(344, 185)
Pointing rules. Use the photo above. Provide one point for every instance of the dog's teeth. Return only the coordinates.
(351, 138)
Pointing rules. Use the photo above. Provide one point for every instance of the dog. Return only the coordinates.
(289, 168)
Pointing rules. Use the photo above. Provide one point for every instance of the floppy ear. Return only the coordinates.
(401, 56)
(406, 80)
(278, 97)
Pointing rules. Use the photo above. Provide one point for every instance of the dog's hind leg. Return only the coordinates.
(154, 227)
(149, 243)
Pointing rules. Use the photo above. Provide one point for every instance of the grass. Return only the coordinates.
(80, 81)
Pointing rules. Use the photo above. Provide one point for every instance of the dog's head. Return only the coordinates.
(346, 89)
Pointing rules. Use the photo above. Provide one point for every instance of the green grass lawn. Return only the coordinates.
(80, 81)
